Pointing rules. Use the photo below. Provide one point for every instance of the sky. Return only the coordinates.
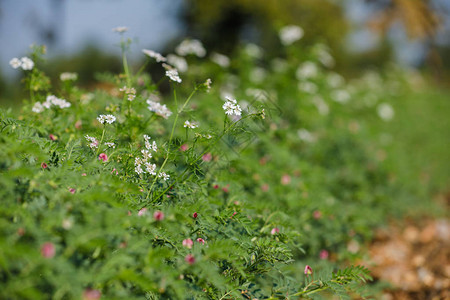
(151, 24)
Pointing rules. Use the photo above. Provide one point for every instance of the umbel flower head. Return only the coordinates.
(231, 107)
(106, 119)
(157, 56)
(25, 63)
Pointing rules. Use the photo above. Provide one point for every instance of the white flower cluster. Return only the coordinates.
(188, 46)
(143, 165)
(157, 108)
(164, 176)
(290, 34)
(157, 56)
(131, 92)
(188, 124)
(93, 142)
(149, 145)
(106, 118)
(173, 75)
(178, 62)
(120, 29)
(231, 107)
(341, 96)
(307, 70)
(306, 136)
(110, 145)
(207, 84)
(25, 63)
(220, 59)
(385, 111)
(66, 76)
(50, 101)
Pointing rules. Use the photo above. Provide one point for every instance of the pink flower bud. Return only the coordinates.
(90, 294)
(142, 211)
(317, 214)
(216, 186)
(78, 124)
(158, 215)
(84, 174)
(207, 157)
(103, 157)
(52, 137)
(275, 231)
(308, 270)
(323, 254)
(265, 187)
(188, 243)
(285, 179)
(201, 241)
(195, 215)
(190, 259)
(184, 147)
(44, 165)
(226, 188)
(72, 190)
(48, 250)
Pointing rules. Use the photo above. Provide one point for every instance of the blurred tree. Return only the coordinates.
(221, 24)
(421, 20)
(418, 17)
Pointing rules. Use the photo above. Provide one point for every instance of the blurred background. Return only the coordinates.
(361, 34)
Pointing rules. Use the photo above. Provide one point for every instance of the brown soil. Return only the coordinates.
(414, 259)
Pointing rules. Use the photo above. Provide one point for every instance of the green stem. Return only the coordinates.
(101, 140)
(200, 156)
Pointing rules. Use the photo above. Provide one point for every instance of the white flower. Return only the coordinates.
(138, 169)
(307, 70)
(324, 56)
(231, 107)
(120, 29)
(158, 57)
(146, 155)
(154, 146)
(173, 75)
(27, 64)
(106, 118)
(258, 75)
(306, 136)
(160, 110)
(15, 63)
(68, 76)
(178, 62)
(385, 111)
(93, 142)
(188, 46)
(191, 125)
(37, 108)
(53, 100)
(207, 84)
(164, 176)
(253, 50)
(321, 105)
(150, 168)
(220, 59)
(335, 80)
(308, 87)
(341, 96)
(290, 34)
(110, 145)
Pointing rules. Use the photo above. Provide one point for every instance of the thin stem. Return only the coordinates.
(101, 140)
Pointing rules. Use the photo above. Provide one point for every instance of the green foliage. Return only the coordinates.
(108, 192)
